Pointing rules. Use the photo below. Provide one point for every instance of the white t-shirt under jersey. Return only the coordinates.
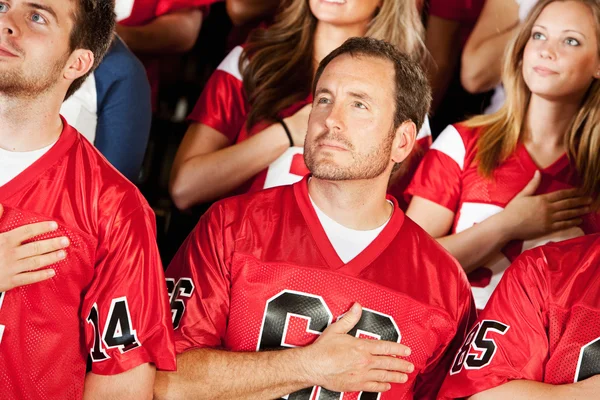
(12, 163)
(348, 243)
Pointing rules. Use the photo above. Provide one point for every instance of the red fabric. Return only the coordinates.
(464, 11)
(549, 300)
(223, 106)
(113, 255)
(249, 252)
(472, 198)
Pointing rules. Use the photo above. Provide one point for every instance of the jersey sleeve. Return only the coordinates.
(428, 383)
(199, 276)
(439, 176)
(509, 341)
(222, 104)
(126, 308)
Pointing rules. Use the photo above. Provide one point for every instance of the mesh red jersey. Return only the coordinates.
(223, 107)
(259, 273)
(448, 176)
(541, 324)
(107, 300)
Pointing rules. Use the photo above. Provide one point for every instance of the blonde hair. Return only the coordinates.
(278, 63)
(502, 131)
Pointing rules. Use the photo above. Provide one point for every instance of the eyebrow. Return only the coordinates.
(566, 30)
(358, 95)
(42, 7)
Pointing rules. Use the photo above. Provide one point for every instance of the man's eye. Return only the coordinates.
(323, 100)
(360, 105)
(3, 7)
(37, 18)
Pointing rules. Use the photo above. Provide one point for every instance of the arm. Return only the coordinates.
(124, 116)
(442, 42)
(530, 390)
(336, 361)
(482, 56)
(171, 33)
(206, 168)
(244, 11)
(135, 384)
(470, 247)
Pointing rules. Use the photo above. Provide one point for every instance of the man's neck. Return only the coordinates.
(359, 205)
(28, 123)
(329, 37)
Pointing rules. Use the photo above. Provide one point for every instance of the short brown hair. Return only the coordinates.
(413, 94)
(93, 29)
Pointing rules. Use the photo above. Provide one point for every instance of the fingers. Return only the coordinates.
(572, 202)
(29, 278)
(562, 225)
(383, 376)
(392, 364)
(570, 214)
(563, 194)
(532, 186)
(26, 232)
(41, 247)
(37, 262)
(386, 348)
(347, 322)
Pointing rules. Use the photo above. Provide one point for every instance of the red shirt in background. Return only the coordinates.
(464, 11)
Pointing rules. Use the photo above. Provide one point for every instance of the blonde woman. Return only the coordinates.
(530, 173)
(248, 127)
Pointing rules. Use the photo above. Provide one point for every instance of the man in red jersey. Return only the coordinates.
(314, 270)
(539, 335)
(105, 297)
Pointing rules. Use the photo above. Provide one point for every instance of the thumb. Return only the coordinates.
(348, 321)
(532, 186)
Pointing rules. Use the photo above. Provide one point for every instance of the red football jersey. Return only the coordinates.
(542, 323)
(259, 273)
(448, 176)
(223, 107)
(107, 300)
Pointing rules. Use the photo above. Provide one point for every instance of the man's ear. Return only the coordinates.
(78, 64)
(404, 141)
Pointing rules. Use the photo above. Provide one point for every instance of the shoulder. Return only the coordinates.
(120, 63)
(457, 141)
(231, 63)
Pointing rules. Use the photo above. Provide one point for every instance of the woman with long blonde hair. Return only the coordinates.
(530, 173)
(248, 127)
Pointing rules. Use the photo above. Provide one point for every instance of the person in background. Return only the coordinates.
(112, 109)
(539, 336)
(265, 289)
(66, 210)
(248, 127)
(499, 184)
(482, 57)
(244, 12)
(155, 28)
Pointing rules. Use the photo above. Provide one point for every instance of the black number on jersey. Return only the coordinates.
(313, 308)
(1, 326)
(184, 287)
(589, 361)
(118, 331)
(477, 340)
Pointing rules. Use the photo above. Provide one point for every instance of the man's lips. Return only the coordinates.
(6, 53)
(332, 145)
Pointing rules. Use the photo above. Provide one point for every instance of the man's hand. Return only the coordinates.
(342, 363)
(20, 264)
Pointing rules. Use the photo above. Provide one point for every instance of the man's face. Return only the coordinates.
(34, 44)
(350, 129)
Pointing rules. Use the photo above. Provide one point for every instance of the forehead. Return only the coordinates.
(568, 15)
(362, 72)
